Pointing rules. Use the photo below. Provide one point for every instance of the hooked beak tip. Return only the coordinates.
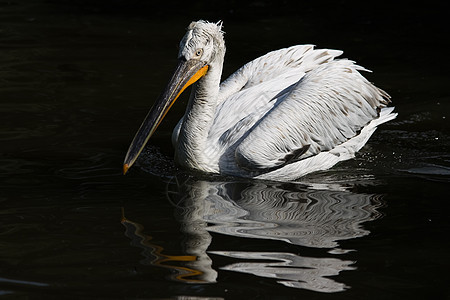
(125, 168)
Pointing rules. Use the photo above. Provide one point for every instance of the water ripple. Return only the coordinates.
(291, 270)
(311, 218)
(257, 210)
(21, 282)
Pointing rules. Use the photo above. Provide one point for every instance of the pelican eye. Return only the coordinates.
(198, 52)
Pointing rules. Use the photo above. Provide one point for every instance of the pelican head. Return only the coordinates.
(201, 50)
(202, 41)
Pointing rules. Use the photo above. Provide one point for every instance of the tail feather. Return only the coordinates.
(386, 114)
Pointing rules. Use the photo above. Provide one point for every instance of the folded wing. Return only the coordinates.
(253, 90)
(329, 105)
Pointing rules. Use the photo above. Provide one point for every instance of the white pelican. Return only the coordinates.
(283, 115)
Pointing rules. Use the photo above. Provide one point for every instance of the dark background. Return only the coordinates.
(77, 79)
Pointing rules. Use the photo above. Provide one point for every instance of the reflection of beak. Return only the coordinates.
(186, 73)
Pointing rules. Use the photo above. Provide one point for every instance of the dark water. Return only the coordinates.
(76, 80)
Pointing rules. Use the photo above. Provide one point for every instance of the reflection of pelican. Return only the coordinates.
(281, 116)
(304, 217)
(197, 269)
(290, 269)
(298, 216)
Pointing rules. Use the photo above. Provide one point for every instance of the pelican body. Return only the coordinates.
(279, 117)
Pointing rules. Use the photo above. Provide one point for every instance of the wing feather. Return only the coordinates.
(328, 106)
(249, 93)
(302, 58)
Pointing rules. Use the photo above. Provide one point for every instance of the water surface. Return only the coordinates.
(76, 80)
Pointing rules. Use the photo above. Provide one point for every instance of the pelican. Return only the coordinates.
(279, 117)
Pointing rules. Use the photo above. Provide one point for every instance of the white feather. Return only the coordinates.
(281, 116)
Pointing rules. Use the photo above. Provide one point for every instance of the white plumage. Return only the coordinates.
(283, 115)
